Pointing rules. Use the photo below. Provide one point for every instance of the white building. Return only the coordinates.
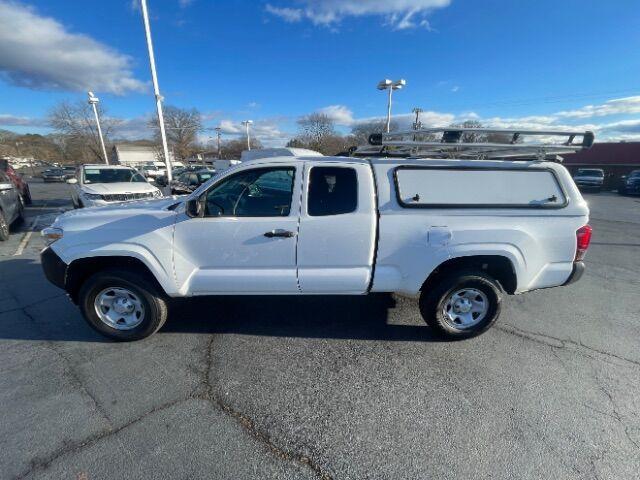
(133, 155)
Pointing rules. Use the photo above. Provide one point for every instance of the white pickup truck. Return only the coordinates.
(458, 234)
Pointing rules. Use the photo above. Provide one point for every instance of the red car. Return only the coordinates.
(21, 185)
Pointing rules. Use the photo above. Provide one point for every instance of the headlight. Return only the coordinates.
(51, 234)
(157, 194)
(92, 196)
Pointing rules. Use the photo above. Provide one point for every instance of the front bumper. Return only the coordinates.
(576, 273)
(54, 268)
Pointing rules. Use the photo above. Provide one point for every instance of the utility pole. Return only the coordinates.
(417, 125)
(218, 133)
(93, 101)
(246, 123)
(156, 89)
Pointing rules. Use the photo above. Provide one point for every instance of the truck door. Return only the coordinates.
(246, 242)
(337, 228)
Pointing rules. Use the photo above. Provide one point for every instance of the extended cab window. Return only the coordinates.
(261, 192)
(332, 191)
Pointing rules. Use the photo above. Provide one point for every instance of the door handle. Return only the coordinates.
(280, 233)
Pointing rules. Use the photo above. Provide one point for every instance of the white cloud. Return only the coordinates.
(618, 106)
(37, 52)
(290, 15)
(185, 3)
(399, 14)
(9, 120)
(340, 114)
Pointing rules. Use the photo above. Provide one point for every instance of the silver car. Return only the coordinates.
(10, 205)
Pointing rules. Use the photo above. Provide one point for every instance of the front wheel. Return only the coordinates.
(462, 304)
(122, 305)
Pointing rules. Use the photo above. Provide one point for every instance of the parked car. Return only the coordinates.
(446, 231)
(630, 184)
(187, 182)
(589, 178)
(69, 172)
(54, 175)
(161, 180)
(11, 206)
(100, 185)
(18, 181)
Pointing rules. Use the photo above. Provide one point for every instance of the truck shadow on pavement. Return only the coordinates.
(337, 317)
(33, 309)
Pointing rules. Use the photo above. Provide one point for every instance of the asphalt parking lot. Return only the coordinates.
(326, 387)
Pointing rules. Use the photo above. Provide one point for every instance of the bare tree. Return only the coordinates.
(232, 149)
(182, 127)
(315, 129)
(470, 137)
(75, 121)
(361, 131)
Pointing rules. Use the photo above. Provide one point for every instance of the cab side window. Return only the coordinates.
(260, 192)
(332, 191)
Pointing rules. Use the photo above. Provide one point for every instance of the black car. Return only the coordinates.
(630, 184)
(54, 175)
(187, 181)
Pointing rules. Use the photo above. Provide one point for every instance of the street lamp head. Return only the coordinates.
(384, 84)
(92, 98)
(398, 84)
(247, 122)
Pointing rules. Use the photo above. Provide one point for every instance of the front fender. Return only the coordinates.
(159, 266)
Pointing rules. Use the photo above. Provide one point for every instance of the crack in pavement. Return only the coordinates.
(249, 425)
(561, 343)
(37, 302)
(39, 464)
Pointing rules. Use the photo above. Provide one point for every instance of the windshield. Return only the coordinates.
(634, 174)
(111, 175)
(590, 173)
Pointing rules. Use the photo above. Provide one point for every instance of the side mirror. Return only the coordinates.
(72, 181)
(194, 208)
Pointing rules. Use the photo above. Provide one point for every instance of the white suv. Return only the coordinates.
(99, 185)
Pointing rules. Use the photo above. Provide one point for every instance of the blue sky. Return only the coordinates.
(508, 63)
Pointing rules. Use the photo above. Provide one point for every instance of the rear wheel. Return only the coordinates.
(122, 305)
(462, 304)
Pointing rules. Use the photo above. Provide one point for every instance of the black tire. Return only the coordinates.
(155, 306)
(434, 300)
(4, 227)
(26, 196)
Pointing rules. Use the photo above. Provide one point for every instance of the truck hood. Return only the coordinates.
(126, 208)
(118, 187)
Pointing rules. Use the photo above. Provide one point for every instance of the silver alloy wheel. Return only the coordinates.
(465, 308)
(119, 308)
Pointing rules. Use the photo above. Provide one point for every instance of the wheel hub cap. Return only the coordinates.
(465, 308)
(119, 308)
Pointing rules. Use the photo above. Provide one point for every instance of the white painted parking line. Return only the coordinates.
(27, 236)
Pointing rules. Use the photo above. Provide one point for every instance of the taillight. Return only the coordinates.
(583, 238)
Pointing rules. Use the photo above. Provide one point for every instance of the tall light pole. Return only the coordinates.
(156, 89)
(93, 101)
(390, 85)
(246, 123)
(218, 133)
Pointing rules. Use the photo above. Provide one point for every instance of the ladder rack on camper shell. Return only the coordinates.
(476, 143)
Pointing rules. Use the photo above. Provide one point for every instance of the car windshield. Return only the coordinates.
(111, 175)
(590, 173)
(634, 174)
